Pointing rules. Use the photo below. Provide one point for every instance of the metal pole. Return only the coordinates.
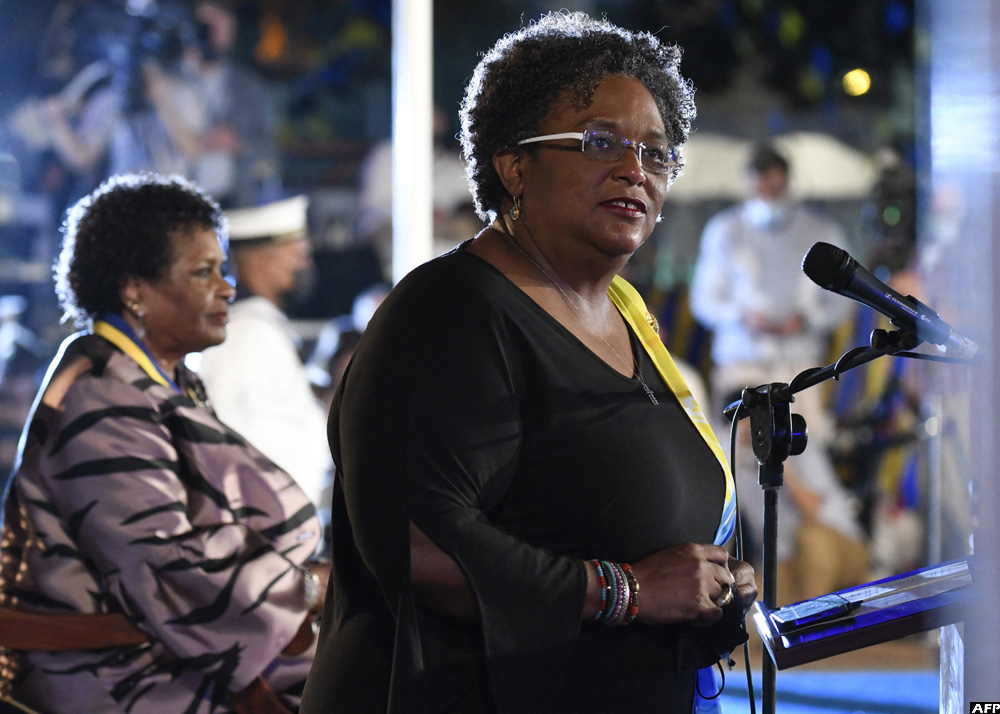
(769, 474)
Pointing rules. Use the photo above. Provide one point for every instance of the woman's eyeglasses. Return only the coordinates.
(607, 146)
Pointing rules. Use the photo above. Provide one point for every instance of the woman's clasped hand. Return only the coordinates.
(685, 583)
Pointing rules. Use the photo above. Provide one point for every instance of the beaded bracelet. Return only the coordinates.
(633, 600)
(619, 593)
(612, 581)
(608, 589)
(604, 590)
(618, 615)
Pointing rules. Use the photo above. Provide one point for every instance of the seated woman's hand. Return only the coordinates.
(321, 568)
(685, 584)
(320, 576)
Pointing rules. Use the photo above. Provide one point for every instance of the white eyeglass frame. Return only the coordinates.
(582, 136)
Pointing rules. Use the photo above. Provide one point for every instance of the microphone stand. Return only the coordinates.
(776, 434)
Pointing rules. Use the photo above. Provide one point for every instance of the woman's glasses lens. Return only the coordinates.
(605, 146)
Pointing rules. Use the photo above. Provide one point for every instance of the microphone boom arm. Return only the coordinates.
(896, 343)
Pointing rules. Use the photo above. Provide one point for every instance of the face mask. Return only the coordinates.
(302, 288)
(766, 214)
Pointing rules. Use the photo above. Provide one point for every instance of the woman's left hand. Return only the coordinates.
(683, 584)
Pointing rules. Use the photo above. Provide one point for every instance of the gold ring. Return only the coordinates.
(728, 589)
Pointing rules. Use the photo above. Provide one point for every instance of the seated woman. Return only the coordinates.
(516, 452)
(180, 549)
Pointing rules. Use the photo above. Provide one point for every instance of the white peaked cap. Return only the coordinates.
(280, 220)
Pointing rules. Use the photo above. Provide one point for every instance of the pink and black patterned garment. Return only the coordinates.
(132, 497)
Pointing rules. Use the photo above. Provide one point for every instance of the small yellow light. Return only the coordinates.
(857, 82)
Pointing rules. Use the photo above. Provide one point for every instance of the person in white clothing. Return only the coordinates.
(768, 320)
(255, 379)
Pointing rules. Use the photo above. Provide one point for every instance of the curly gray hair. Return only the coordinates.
(517, 82)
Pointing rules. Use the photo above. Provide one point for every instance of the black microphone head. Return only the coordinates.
(828, 266)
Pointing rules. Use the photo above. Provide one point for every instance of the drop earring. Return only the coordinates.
(515, 212)
(140, 316)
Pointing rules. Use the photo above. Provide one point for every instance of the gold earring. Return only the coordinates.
(515, 212)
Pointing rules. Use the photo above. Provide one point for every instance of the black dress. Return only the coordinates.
(472, 412)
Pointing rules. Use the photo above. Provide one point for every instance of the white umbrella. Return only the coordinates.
(825, 168)
(714, 168)
(822, 167)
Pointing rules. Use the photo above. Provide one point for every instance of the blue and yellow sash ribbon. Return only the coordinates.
(118, 332)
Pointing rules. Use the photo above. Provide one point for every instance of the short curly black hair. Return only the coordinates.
(122, 230)
(526, 72)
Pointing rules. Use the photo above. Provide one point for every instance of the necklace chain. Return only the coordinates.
(508, 235)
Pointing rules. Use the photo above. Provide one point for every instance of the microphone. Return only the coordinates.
(833, 269)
